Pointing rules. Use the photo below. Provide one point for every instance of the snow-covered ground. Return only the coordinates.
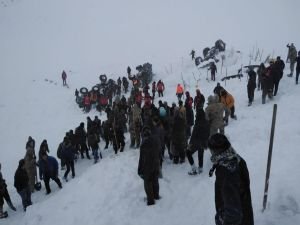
(87, 38)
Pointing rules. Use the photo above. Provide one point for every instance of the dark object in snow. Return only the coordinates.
(103, 78)
(239, 75)
(251, 66)
(83, 90)
(37, 186)
(145, 73)
(220, 45)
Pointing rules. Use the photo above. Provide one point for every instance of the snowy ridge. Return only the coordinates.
(39, 39)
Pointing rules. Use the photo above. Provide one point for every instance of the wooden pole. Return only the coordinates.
(269, 158)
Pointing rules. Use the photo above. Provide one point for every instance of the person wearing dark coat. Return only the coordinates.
(93, 141)
(251, 85)
(297, 67)
(232, 185)
(199, 100)
(128, 70)
(198, 142)
(68, 156)
(213, 71)
(218, 89)
(260, 71)
(4, 195)
(277, 73)
(178, 137)
(81, 135)
(189, 113)
(267, 83)
(22, 184)
(149, 164)
(48, 166)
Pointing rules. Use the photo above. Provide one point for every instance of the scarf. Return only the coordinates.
(229, 159)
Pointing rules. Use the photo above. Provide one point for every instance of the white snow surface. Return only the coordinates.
(87, 38)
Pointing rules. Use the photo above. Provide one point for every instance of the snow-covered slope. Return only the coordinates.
(86, 38)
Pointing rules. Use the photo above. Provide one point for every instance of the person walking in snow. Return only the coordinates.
(48, 166)
(232, 186)
(22, 184)
(178, 135)
(291, 58)
(213, 71)
(160, 88)
(93, 142)
(298, 67)
(267, 83)
(277, 73)
(193, 54)
(64, 78)
(30, 167)
(128, 70)
(68, 156)
(153, 89)
(179, 91)
(217, 90)
(198, 142)
(261, 69)
(149, 164)
(4, 195)
(228, 100)
(214, 114)
(251, 85)
(199, 100)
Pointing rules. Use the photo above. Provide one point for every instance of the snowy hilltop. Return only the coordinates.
(40, 39)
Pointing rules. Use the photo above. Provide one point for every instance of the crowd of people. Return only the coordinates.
(180, 129)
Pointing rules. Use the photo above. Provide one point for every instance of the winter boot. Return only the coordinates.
(3, 214)
(66, 179)
(193, 171)
(200, 169)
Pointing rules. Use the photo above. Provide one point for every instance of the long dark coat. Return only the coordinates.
(232, 194)
(149, 162)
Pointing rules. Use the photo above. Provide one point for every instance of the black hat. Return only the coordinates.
(218, 143)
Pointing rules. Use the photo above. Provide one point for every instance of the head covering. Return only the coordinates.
(211, 99)
(218, 143)
(21, 163)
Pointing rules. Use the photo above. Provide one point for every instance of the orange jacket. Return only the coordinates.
(179, 89)
(227, 100)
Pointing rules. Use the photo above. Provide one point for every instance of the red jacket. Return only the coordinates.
(87, 100)
(160, 86)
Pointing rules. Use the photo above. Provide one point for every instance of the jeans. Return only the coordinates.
(26, 197)
(47, 180)
(190, 153)
(69, 165)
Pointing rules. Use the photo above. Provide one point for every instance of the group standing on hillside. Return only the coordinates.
(182, 128)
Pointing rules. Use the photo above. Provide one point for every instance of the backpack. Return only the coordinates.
(162, 112)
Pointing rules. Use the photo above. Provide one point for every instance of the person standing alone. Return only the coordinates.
(64, 78)
(232, 185)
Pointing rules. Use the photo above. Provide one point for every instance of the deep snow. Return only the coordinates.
(86, 38)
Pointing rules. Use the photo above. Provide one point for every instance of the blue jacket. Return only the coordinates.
(49, 167)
